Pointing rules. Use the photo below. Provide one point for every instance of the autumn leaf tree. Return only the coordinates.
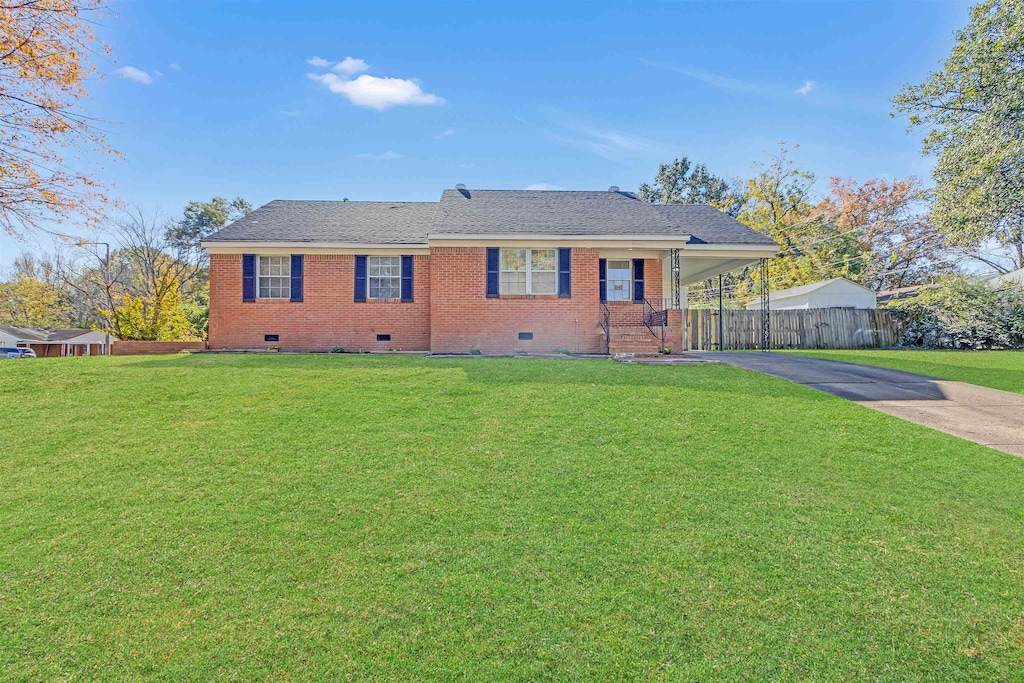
(46, 49)
(778, 201)
(157, 315)
(889, 227)
(27, 301)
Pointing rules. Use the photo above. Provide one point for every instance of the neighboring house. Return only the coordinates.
(48, 342)
(494, 271)
(888, 296)
(836, 293)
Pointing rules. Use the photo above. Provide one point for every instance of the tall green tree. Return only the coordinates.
(973, 111)
(201, 219)
(682, 182)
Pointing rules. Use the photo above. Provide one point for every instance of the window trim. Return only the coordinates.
(398, 278)
(608, 280)
(529, 271)
(287, 278)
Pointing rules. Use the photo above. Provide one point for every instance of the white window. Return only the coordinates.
(385, 277)
(618, 280)
(274, 275)
(528, 271)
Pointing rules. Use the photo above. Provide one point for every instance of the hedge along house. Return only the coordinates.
(497, 271)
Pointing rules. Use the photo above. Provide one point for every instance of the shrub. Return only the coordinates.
(475, 351)
(338, 349)
(963, 314)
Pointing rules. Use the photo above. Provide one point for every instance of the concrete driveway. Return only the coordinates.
(987, 416)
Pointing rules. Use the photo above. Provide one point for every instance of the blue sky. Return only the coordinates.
(407, 98)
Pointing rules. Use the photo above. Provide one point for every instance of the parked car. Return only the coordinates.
(16, 352)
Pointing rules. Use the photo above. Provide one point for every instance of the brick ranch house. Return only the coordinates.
(494, 271)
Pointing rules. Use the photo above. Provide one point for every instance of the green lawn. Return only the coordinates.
(997, 369)
(217, 517)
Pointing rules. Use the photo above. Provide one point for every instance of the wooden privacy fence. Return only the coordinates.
(815, 328)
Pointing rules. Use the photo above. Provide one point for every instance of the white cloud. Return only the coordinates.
(807, 87)
(133, 74)
(378, 93)
(158, 74)
(542, 186)
(383, 156)
(350, 66)
(175, 66)
(446, 133)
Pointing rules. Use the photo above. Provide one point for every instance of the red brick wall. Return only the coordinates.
(52, 350)
(450, 312)
(141, 348)
(327, 317)
(462, 317)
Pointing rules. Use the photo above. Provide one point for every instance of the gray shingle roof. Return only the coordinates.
(546, 212)
(42, 334)
(321, 221)
(709, 225)
(804, 289)
(469, 212)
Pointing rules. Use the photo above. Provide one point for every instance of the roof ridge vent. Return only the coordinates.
(613, 188)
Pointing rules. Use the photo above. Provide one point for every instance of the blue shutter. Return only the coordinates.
(565, 273)
(492, 272)
(297, 277)
(360, 278)
(602, 271)
(248, 277)
(406, 278)
(638, 280)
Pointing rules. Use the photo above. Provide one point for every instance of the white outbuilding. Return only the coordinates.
(835, 293)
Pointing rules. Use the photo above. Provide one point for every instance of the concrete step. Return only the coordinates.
(641, 346)
(630, 329)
